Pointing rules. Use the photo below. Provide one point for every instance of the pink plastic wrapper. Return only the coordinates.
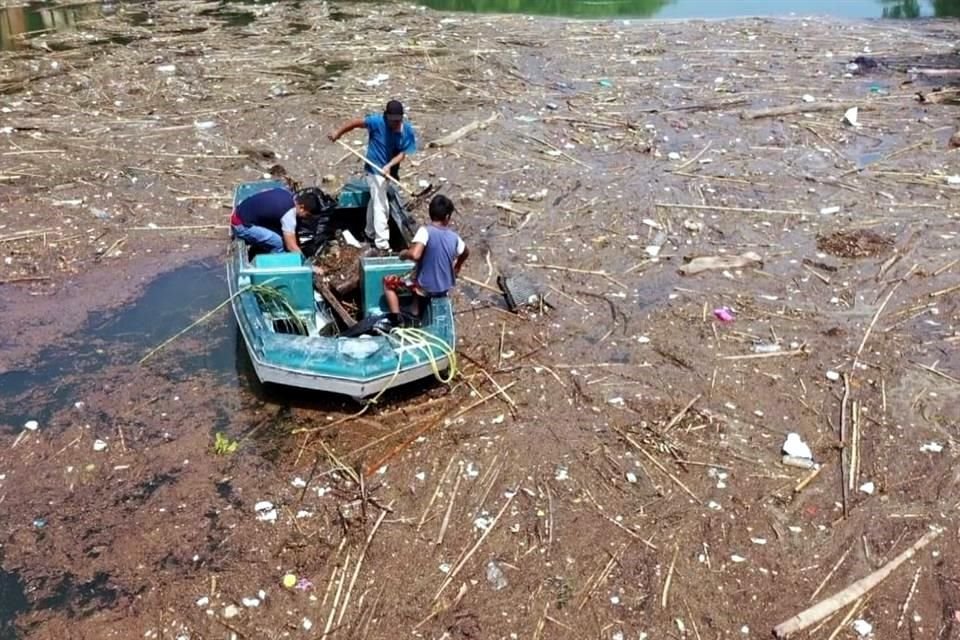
(723, 314)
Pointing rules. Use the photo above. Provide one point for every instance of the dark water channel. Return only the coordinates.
(57, 376)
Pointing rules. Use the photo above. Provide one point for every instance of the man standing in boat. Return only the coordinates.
(390, 140)
(267, 221)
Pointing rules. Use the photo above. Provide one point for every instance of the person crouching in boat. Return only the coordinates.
(267, 221)
(439, 254)
(390, 141)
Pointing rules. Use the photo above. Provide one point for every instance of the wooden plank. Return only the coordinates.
(331, 300)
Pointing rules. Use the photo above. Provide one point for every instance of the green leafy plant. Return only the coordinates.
(224, 446)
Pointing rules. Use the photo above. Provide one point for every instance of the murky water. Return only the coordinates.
(17, 24)
(119, 338)
(13, 601)
(684, 9)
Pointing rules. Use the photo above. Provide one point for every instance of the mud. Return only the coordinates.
(632, 431)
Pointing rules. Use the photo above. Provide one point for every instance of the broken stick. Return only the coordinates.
(852, 593)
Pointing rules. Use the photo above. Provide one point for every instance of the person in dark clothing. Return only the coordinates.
(439, 253)
(267, 221)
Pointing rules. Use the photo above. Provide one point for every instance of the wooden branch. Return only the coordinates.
(852, 593)
(331, 300)
(462, 132)
(791, 109)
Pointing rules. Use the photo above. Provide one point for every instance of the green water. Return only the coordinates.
(20, 22)
(685, 9)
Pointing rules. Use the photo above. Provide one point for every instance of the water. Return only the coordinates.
(686, 9)
(19, 23)
(119, 338)
(13, 601)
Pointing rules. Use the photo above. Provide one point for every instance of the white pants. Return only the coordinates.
(377, 226)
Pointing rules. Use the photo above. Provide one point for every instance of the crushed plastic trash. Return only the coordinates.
(868, 488)
(737, 559)
(265, 511)
(307, 624)
(692, 226)
(724, 314)
(795, 447)
(377, 80)
(39, 523)
(862, 627)
(832, 375)
(167, 68)
(852, 117)
(631, 477)
(31, 425)
(766, 347)
(808, 98)
(800, 463)
(495, 576)
(829, 211)
(204, 601)
(298, 482)
(931, 447)
(303, 584)
(482, 523)
(561, 473)
(231, 611)
(250, 603)
(673, 155)
(99, 445)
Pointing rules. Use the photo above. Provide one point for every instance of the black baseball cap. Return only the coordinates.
(394, 110)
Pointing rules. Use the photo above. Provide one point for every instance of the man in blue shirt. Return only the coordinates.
(390, 140)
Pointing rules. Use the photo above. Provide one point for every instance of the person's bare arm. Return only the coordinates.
(458, 263)
(396, 160)
(347, 127)
(413, 253)
(290, 243)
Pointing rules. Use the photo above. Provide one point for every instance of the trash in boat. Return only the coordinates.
(519, 291)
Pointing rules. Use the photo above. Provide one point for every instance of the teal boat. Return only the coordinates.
(293, 336)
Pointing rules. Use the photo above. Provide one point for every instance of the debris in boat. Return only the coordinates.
(708, 263)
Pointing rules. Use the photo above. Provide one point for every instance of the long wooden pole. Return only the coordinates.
(375, 167)
(852, 593)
